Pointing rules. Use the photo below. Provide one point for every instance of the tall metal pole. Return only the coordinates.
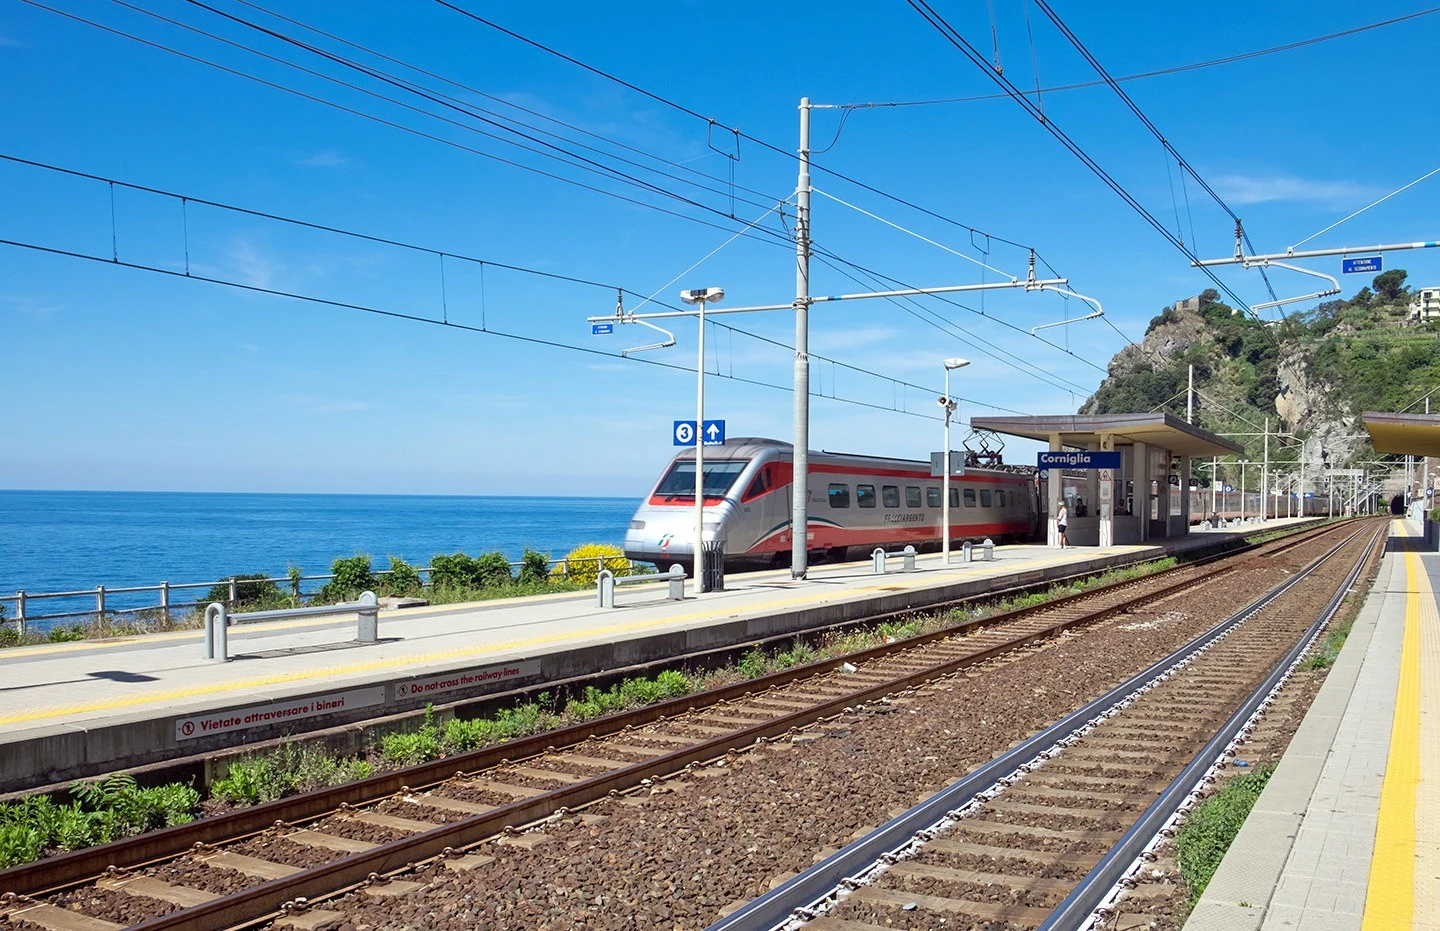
(945, 481)
(700, 459)
(1214, 481)
(800, 507)
(1265, 473)
(1242, 491)
(1190, 398)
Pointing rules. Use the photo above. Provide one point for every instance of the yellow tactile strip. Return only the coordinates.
(885, 584)
(1391, 898)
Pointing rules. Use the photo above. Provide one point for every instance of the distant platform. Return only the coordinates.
(77, 709)
(1346, 834)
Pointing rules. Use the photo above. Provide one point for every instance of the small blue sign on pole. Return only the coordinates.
(1369, 263)
(1078, 459)
(683, 433)
(602, 329)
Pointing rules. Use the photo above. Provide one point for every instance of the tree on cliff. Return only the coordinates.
(1391, 284)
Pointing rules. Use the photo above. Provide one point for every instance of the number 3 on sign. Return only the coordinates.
(684, 433)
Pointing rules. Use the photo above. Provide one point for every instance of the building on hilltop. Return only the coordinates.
(1425, 305)
(1191, 304)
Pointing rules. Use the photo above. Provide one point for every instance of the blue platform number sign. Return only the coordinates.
(602, 329)
(1364, 264)
(683, 433)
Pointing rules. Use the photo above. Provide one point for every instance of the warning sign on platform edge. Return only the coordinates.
(240, 719)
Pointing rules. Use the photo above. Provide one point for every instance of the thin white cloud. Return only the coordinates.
(329, 158)
(32, 305)
(254, 267)
(7, 42)
(1258, 189)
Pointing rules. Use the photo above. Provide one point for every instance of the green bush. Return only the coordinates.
(285, 771)
(752, 664)
(453, 570)
(584, 563)
(492, 570)
(352, 576)
(66, 633)
(20, 843)
(252, 589)
(534, 569)
(404, 579)
(9, 636)
(1209, 829)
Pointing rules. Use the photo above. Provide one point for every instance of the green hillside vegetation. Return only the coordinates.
(1359, 354)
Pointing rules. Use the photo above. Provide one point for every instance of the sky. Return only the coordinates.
(466, 198)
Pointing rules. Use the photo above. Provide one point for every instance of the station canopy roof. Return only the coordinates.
(1083, 430)
(1407, 434)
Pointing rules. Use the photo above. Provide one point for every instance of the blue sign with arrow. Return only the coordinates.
(683, 433)
(1369, 263)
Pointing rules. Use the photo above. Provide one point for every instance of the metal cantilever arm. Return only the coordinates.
(1097, 312)
(1333, 290)
(669, 337)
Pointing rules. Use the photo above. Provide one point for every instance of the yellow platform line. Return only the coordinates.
(1427, 799)
(1390, 895)
(458, 653)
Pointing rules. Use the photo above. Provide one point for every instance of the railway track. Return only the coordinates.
(1049, 835)
(272, 861)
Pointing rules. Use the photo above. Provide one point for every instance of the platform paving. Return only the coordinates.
(1344, 835)
(68, 710)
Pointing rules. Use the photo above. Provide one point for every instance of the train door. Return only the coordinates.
(765, 510)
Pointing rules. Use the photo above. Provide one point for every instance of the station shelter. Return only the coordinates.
(1145, 498)
(1415, 435)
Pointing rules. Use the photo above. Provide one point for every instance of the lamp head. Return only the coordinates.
(946, 403)
(708, 295)
(956, 363)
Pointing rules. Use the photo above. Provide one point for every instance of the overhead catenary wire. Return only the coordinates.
(773, 238)
(951, 35)
(470, 89)
(1175, 69)
(1357, 213)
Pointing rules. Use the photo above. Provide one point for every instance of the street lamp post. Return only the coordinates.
(947, 403)
(701, 296)
(1243, 463)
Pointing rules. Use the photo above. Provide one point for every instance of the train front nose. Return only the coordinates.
(661, 540)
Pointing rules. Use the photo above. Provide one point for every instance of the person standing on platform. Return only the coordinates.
(1062, 518)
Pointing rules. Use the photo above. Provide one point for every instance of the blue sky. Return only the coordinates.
(121, 378)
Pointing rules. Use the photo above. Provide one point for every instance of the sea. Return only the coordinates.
(52, 541)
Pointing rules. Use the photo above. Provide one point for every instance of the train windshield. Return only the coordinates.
(720, 474)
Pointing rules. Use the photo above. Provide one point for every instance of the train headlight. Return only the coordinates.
(637, 525)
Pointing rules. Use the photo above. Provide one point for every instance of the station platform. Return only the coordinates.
(76, 709)
(1346, 834)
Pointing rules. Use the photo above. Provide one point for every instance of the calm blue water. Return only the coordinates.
(69, 540)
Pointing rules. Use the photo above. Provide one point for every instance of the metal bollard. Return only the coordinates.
(965, 548)
(877, 560)
(217, 633)
(605, 588)
(989, 547)
(20, 612)
(909, 554)
(677, 582)
(368, 622)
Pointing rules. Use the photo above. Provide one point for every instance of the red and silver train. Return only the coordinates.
(856, 504)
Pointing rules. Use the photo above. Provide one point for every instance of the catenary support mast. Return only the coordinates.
(800, 507)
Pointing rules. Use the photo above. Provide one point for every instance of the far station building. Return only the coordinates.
(1128, 496)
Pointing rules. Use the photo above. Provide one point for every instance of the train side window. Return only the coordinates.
(955, 497)
(932, 497)
(839, 496)
(999, 497)
(912, 496)
(761, 483)
(865, 496)
(890, 495)
(985, 498)
(969, 497)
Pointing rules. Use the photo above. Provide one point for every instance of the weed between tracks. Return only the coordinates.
(1201, 843)
(1325, 655)
(110, 809)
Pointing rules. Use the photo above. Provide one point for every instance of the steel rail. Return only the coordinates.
(821, 882)
(78, 867)
(1078, 908)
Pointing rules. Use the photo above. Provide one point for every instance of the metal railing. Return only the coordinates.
(21, 614)
(218, 621)
(605, 584)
